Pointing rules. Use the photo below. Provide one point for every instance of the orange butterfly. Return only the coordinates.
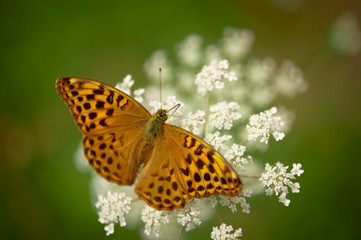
(120, 136)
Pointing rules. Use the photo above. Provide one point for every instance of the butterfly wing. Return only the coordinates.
(113, 125)
(181, 167)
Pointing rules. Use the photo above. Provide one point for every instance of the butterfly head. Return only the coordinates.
(161, 115)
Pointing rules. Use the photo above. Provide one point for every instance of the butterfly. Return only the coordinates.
(121, 139)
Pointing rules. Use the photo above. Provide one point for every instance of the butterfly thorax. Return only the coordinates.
(155, 126)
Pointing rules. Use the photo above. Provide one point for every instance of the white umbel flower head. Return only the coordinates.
(217, 140)
(188, 217)
(194, 122)
(213, 75)
(233, 202)
(260, 70)
(151, 67)
(223, 114)
(236, 43)
(153, 220)
(189, 50)
(262, 125)
(289, 80)
(126, 85)
(345, 35)
(277, 180)
(112, 210)
(224, 232)
(138, 94)
(235, 154)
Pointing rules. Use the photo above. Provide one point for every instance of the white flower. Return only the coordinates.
(263, 124)
(276, 179)
(224, 233)
(153, 220)
(296, 170)
(194, 122)
(233, 202)
(112, 210)
(236, 43)
(234, 156)
(223, 114)
(345, 35)
(212, 76)
(260, 70)
(217, 140)
(151, 67)
(171, 102)
(289, 80)
(212, 52)
(138, 94)
(189, 216)
(126, 85)
(189, 50)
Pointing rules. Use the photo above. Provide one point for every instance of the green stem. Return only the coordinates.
(180, 234)
(135, 200)
(218, 216)
(244, 142)
(244, 176)
(207, 114)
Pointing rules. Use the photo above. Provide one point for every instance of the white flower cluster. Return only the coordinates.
(213, 75)
(126, 86)
(217, 140)
(189, 216)
(236, 43)
(276, 179)
(224, 232)
(232, 202)
(235, 156)
(345, 35)
(112, 210)
(262, 125)
(194, 122)
(223, 114)
(151, 67)
(188, 51)
(153, 220)
(288, 80)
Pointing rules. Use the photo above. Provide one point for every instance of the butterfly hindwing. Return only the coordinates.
(158, 184)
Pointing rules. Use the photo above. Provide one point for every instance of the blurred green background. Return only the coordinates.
(43, 196)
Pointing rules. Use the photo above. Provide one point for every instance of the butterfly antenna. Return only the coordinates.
(160, 87)
(175, 109)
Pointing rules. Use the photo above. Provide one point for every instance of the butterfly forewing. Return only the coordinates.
(113, 125)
